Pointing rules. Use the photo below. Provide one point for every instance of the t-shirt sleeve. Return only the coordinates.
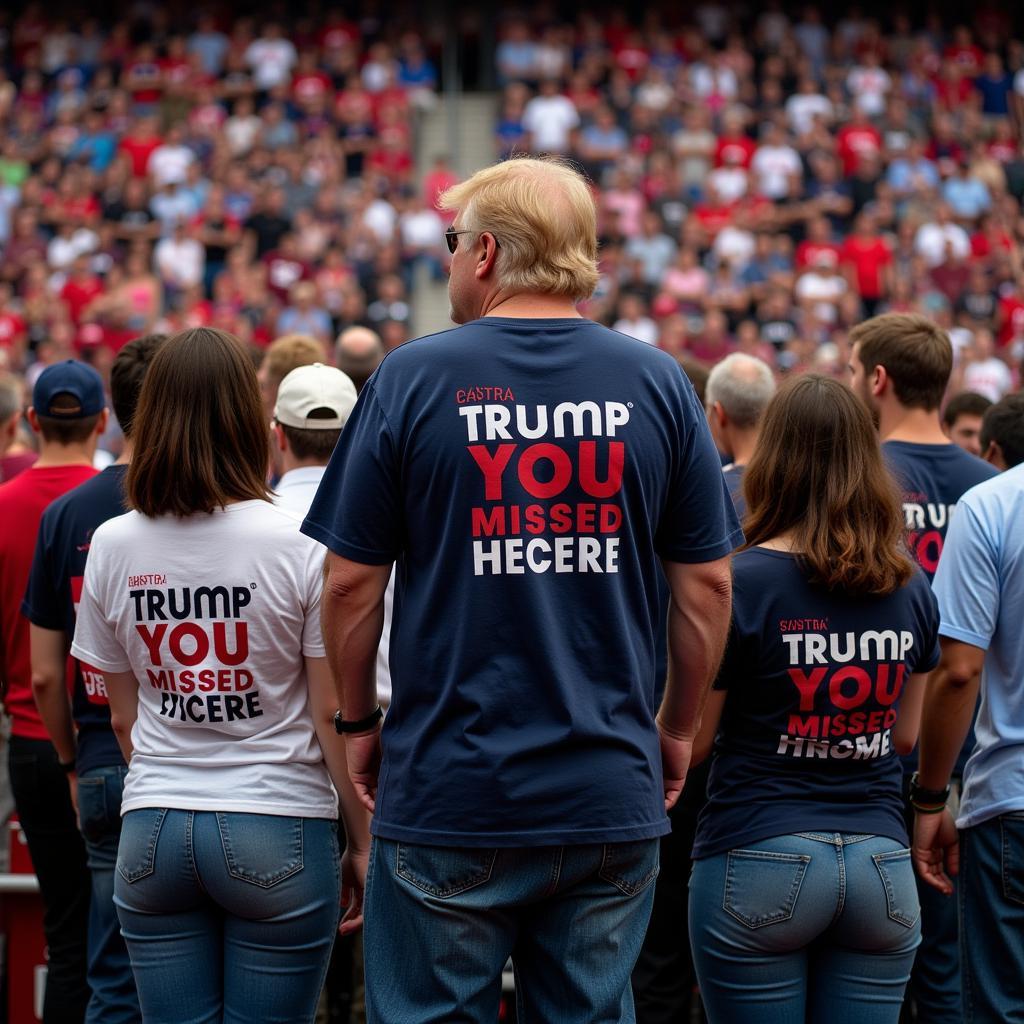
(966, 583)
(42, 605)
(357, 510)
(736, 661)
(96, 641)
(312, 640)
(699, 522)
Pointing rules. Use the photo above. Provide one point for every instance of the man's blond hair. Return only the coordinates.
(542, 213)
(289, 352)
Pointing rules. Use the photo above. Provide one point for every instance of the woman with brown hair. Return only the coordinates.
(803, 905)
(202, 609)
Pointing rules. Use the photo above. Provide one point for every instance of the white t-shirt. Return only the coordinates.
(271, 61)
(214, 615)
(169, 163)
(774, 166)
(295, 491)
(550, 119)
(802, 108)
(931, 239)
(180, 263)
(989, 377)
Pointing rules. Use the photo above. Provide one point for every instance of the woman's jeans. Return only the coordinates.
(805, 928)
(228, 917)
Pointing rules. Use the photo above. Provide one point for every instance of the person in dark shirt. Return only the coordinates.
(80, 729)
(1002, 433)
(738, 392)
(961, 420)
(266, 227)
(900, 365)
(802, 898)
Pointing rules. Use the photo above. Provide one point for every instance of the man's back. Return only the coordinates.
(22, 502)
(932, 478)
(545, 465)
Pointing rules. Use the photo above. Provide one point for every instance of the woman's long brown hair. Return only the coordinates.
(818, 474)
(199, 429)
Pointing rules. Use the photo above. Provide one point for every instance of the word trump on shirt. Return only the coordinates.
(557, 532)
(847, 686)
(184, 628)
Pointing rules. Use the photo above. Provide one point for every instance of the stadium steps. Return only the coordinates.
(463, 127)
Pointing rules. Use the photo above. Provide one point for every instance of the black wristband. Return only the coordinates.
(67, 767)
(360, 725)
(928, 797)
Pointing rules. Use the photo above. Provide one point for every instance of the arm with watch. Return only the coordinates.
(948, 709)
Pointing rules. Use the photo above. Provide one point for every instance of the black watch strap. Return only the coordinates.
(67, 767)
(360, 725)
(927, 797)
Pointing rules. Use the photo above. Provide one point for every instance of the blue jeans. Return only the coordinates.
(442, 921)
(805, 928)
(113, 998)
(228, 917)
(992, 920)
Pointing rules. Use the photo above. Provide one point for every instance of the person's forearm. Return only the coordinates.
(353, 814)
(352, 618)
(51, 699)
(697, 632)
(949, 704)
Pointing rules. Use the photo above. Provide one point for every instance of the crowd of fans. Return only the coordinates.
(237, 172)
(765, 185)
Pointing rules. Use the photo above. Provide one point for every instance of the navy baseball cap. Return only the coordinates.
(72, 379)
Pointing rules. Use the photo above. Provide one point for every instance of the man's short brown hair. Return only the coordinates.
(289, 353)
(916, 353)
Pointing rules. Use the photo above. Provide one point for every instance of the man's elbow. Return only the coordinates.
(904, 745)
(43, 684)
(961, 673)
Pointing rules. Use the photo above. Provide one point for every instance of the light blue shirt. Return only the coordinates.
(980, 589)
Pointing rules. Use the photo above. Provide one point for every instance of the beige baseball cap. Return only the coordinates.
(315, 388)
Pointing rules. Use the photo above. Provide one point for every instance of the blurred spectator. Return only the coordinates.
(1002, 433)
(962, 418)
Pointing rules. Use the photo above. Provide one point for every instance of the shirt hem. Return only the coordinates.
(343, 548)
(97, 662)
(532, 837)
(708, 553)
(979, 817)
(141, 803)
(735, 842)
(966, 636)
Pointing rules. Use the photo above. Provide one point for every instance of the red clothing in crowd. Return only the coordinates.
(808, 253)
(22, 502)
(77, 294)
(139, 151)
(868, 257)
(855, 141)
(735, 149)
(1011, 309)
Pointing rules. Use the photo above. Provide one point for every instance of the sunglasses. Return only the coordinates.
(451, 236)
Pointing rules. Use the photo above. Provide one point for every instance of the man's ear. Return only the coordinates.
(101, 423)
(993, 455)
(488, 254)
(280, 441)
(33, 419)
(720, 415)
(879, 381)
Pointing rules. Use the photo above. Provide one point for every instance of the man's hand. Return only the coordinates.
(353, 884)
(73, 791)
(936, 850)
(363, 753)
(676, 751)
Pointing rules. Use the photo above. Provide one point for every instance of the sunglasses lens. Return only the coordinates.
(451, 238)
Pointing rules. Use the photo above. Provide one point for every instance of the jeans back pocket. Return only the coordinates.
(631, 867)
(444, 871)
(262, 849)
(761, 887)
(1011, 835)
(900, 886)
(136, 852)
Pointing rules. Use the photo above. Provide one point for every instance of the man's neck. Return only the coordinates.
(126, 453)
(53, 455)
(289, 462)
(530, 306)
(742, 445)
(916, 426)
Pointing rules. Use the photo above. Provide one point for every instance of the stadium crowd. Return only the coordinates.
(763, 185)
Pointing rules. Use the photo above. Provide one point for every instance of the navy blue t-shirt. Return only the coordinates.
(734, 481)
(814, 679)
(54, 590)
(527, 475)
(932, 477)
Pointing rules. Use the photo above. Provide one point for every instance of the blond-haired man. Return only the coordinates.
(527, 470)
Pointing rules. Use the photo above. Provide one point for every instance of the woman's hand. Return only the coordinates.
(353, 884)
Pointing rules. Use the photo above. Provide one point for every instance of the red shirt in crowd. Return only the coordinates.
(12, 328)
(868, 257)
(739, 149)
(22, 502)
(139, 151)
(856, 140)
(77, 293)
(309, 87)
(808, 253)
(1011, 309)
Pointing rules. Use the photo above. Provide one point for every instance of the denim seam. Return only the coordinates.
(556, 872)
(1004, 856)
(841, 864)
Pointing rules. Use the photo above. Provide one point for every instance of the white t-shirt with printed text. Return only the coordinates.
(214, 614)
